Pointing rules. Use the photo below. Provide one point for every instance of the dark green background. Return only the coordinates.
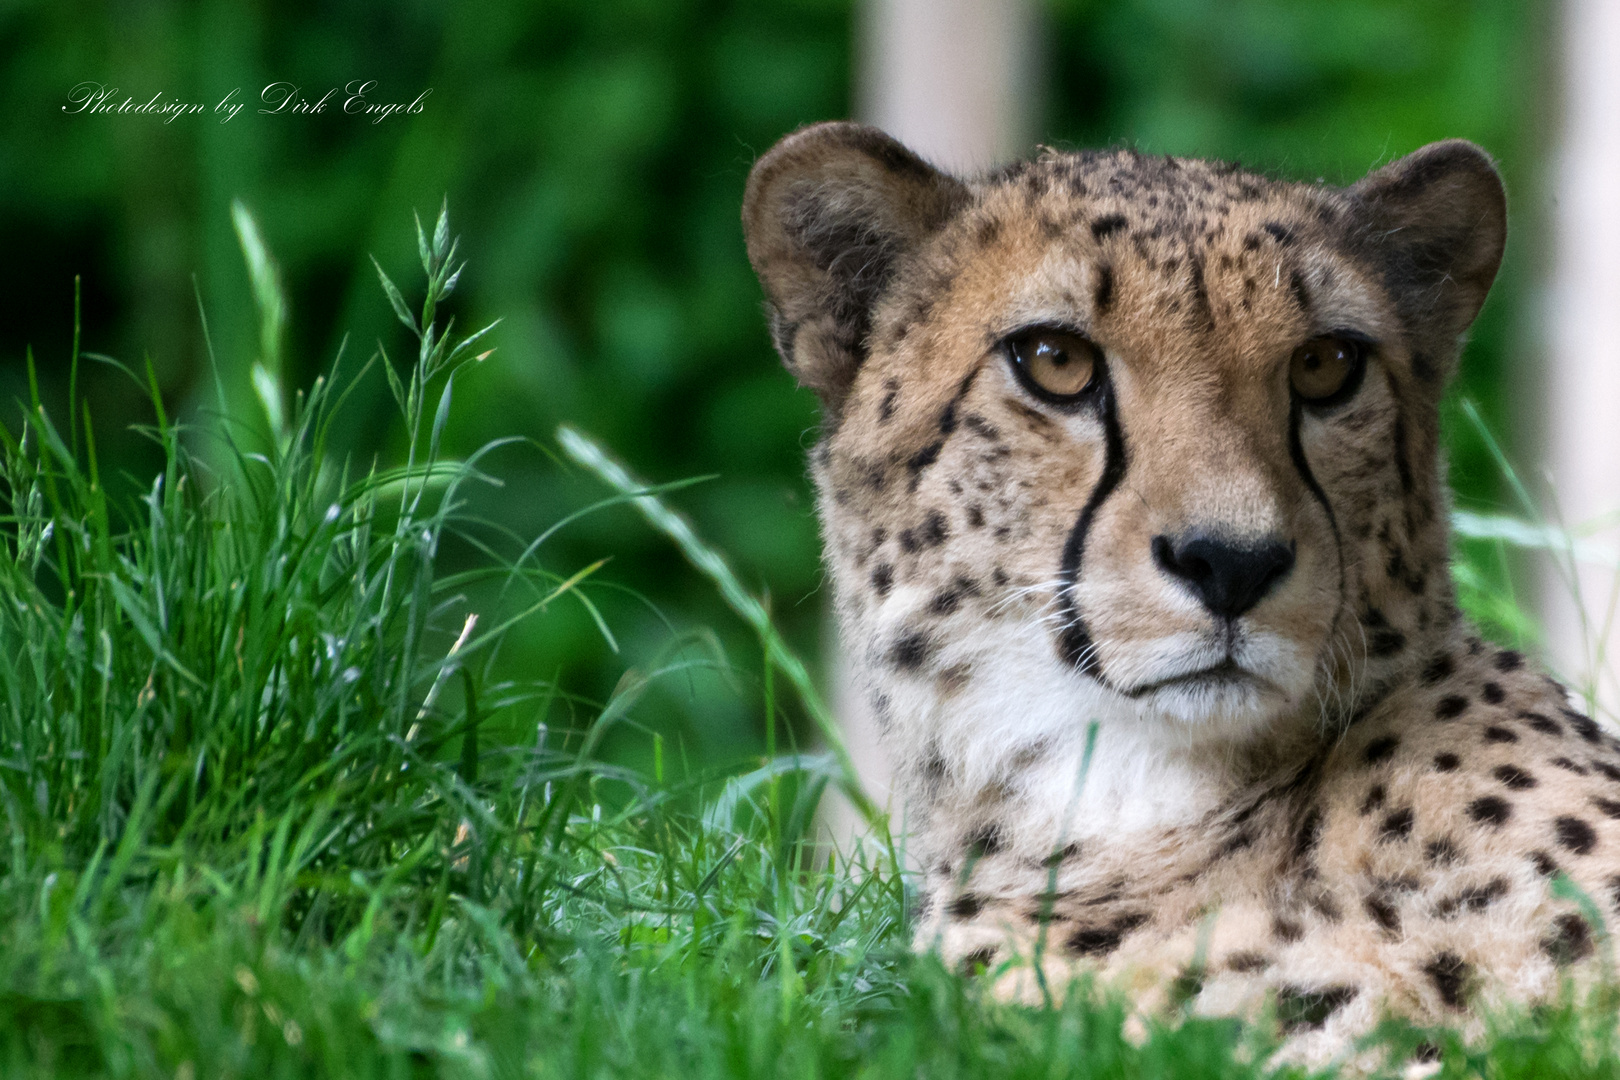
(594, 153)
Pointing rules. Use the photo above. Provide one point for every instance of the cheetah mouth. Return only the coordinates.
(1227, 673)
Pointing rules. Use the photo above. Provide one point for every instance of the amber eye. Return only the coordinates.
(1326, 370)
(1058, 365)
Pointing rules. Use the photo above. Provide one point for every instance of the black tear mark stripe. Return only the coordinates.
(1074, 643)
(1296, 451)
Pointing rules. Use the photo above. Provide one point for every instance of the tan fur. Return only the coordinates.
(1365, 817)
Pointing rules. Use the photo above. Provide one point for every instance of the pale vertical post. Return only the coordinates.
(1580, 425)
(952, 79)
(955, 81)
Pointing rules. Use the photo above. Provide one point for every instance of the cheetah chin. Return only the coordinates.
(1134, 507)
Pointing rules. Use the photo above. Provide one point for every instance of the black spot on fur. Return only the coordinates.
(1438, 669)
(1490, 810)
(1496, 733)
(1441, 852)
(891, 394)
(1475, 898)
(1296, 289)
(1508, 660)
(1103, 297)
(950, 598)
(1102, 940)
(1450, 707)
(1200, 294)
(1446, 762)
(966, 906)
(978, 961)
(1450, 975)
(1574, 834)
(1279, 232)
(975, 516)
(1610, 807)
(1287, 929)
(883, 578)
(1058, 858)
(1544, 724)
(987, 841)
(1383, 913)
(1381, 749)
(931, 533)
(1607, 770)
(921, 460)
(1584, 726)
(910, 650)
(1247, 962)
(1569, 940)
(1384, 642)
(1543, 863)
(1397, 825)
(1492, 693)
(1041, 914)
(1310, 833)
(1374, 799)
(1107, 225)
(1304, 1010)
(1570, 766)
(981, 427)
(1515, 777)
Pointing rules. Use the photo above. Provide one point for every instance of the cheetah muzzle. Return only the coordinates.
(1141, 455)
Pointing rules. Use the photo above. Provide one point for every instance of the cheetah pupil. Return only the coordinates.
(1134, 509)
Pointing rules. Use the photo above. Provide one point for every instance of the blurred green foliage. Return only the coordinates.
(593, 153)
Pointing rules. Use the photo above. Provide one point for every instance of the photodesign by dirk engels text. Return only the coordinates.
(357, 98)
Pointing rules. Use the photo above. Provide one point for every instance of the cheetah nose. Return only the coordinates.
(1229, 577)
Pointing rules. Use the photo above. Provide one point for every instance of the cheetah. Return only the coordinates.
(1134, 508)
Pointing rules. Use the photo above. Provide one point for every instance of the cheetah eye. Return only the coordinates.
(1327, 370)
(1058, 366)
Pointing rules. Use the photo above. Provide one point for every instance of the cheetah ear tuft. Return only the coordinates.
(1436, 220)
(828, 213)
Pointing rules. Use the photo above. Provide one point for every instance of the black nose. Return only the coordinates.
(1230, 578)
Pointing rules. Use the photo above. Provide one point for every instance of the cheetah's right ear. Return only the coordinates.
(827, 214)
(1437, 220)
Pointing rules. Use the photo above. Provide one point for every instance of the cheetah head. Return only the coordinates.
(1146, 440)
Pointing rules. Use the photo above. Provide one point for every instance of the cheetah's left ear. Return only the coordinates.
(829, 213)
(1436, 221)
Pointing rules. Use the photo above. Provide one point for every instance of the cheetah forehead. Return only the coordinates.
(1193, 265)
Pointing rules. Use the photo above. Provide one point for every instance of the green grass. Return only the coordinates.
(268, 813)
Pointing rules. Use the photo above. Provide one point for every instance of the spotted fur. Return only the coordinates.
(1340, 802)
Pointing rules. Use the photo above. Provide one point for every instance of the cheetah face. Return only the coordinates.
(1157, 434)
